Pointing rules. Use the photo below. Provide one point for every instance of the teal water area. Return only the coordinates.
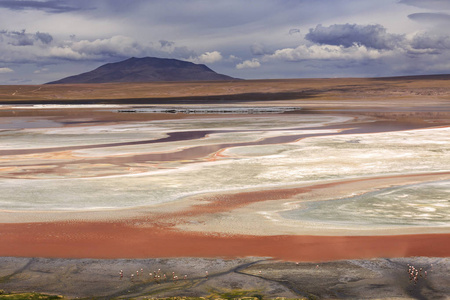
(425, 204)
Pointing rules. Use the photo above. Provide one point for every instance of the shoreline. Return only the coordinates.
(249, 277)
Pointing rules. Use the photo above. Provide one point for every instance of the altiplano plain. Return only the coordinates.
(278, 179)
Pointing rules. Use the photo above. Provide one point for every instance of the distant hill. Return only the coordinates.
(145, 70)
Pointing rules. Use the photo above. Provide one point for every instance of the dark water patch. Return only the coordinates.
(20, 123)
(212, 99)
(357, 128)
(201, 152)
(173, 136)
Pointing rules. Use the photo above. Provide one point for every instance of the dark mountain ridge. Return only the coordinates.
(147, 69)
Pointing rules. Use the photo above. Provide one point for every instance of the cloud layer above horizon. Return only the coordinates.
(41, 41)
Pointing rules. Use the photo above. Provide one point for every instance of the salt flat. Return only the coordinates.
(346, 175)
(230, 153)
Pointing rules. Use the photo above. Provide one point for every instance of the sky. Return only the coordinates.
(45, 40)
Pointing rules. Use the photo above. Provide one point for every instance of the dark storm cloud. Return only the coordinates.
(266, 38)
(20, 47)
(48, 6)
(16, 38)
(347, 35)
(169, 48)
(22, 38)
(180, 52)
(45, 38)
(431, 41)
(165, 43)
(430, 17)
(429, 4)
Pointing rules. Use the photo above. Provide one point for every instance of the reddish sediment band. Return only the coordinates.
(107, 240)
(157, 234)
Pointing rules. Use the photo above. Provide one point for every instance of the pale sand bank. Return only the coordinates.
(262, 216)
(248, 212)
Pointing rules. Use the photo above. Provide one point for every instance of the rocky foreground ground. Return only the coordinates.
(219, 278)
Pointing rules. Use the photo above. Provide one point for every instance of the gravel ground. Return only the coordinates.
(349, 279)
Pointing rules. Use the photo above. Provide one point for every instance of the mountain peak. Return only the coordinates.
(146, 69)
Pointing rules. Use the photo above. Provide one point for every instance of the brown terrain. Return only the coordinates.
(336, 92)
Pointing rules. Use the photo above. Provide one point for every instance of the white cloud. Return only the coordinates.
(22, 47)
(429, 4)
(21, 51)
(6, 70)
(232, 58)
(66, 52)
(249, 64)
(258, 49)
(362, 43)
(207, 58)
(40, 71)
(116, 45)
(323, 52)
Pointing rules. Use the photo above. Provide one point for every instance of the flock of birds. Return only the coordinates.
(157, 276)
(416, 273)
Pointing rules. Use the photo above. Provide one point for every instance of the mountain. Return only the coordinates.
(144, 70)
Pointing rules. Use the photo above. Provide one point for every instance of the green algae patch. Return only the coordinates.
(28, 296)
(238, 294)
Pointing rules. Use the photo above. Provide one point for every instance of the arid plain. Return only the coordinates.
(297, 188)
